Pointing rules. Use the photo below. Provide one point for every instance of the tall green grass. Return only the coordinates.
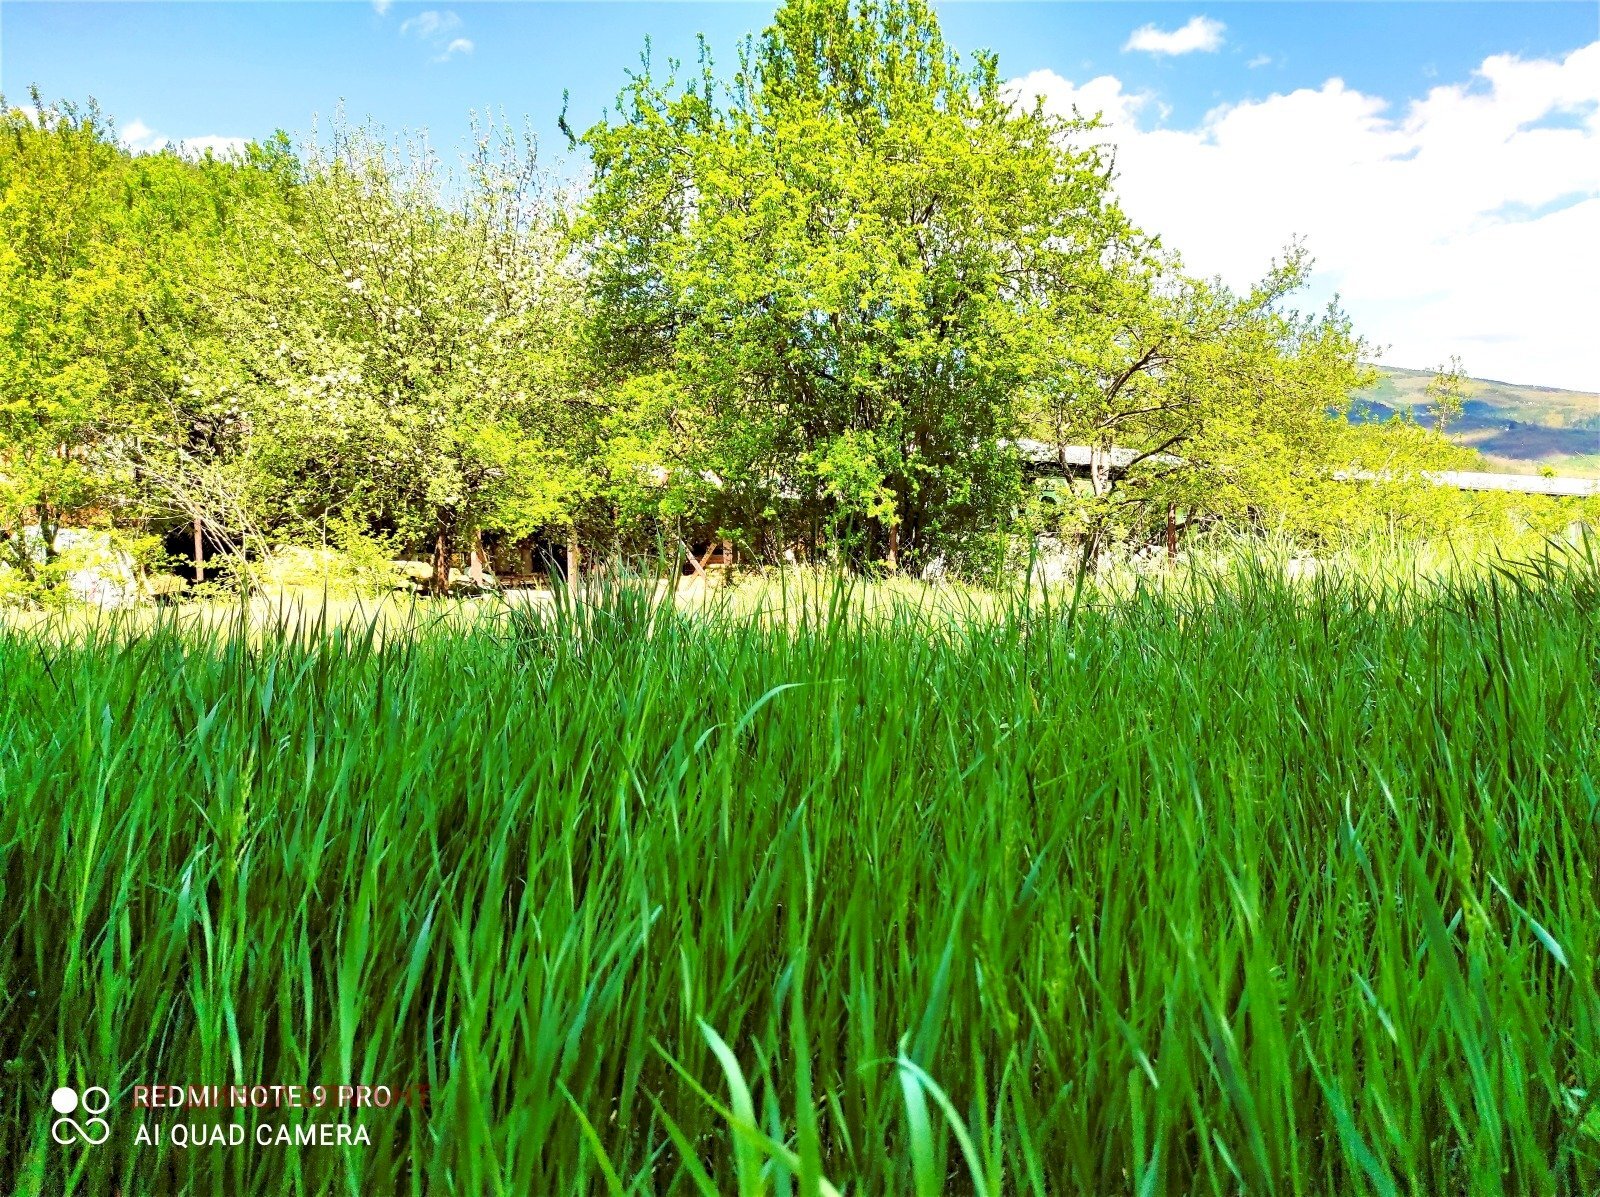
(1225, 886)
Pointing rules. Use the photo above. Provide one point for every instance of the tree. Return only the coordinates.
(399, 346)
(835, 273)
(1215, 401)
(1447, 393)
(103, 255)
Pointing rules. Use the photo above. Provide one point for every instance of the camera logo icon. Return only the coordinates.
(93, 1130)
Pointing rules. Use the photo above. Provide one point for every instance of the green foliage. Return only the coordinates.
(399, 358)
(810, 304)
(842, 258)
(103, 567)
(103, 259)
(1447, 393)
(1221, 399)
(354, 564)
(1239, 885)
(74, 354)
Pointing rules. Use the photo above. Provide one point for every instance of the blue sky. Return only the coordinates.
(246, 69)
(1238, 86)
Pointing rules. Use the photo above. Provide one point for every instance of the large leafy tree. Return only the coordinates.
(399, 346)
(1190, 394)
(832, 274)
(103, 257)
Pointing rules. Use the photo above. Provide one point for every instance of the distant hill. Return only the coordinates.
(1518, 429)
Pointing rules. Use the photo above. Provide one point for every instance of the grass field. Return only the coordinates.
(1231, 885)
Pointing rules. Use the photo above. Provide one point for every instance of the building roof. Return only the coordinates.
(1528, 484)
(1044, 453)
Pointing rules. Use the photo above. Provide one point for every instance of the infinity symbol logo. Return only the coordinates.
(66, 1101)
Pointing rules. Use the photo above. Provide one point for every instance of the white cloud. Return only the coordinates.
(140, 138)
(381, 7)
(1260, 60)
(430, 24)
(1467, 223)
(1199, 33)
(437, 28)
(1103, 94)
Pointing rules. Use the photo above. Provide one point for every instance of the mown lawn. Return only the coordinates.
(1229, 886)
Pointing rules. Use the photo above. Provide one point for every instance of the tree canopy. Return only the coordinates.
(813, 302)
(840, 265)
(404, 357)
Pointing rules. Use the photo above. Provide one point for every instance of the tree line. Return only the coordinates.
(812, 304)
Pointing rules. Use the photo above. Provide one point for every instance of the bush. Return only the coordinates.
(356, 564)
(86, 566)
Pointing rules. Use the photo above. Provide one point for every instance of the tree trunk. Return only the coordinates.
(573, 557)
(475, 566)
(1172, 535)
(1091, 548)
(49, 529)
(694, 562)
(893, 559)
(440, 582)
(199, 550)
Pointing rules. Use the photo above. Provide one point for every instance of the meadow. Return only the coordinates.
(1225, 884)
